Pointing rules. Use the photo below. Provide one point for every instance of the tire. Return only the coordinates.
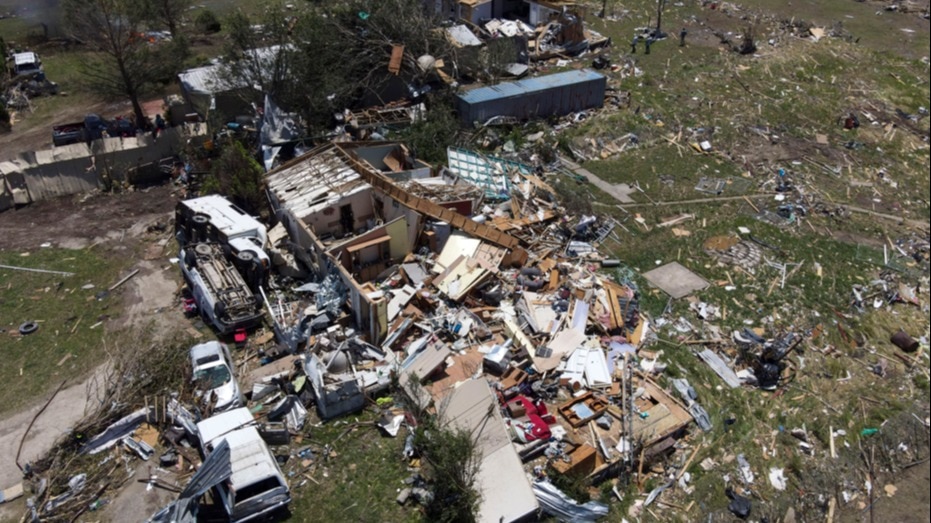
(200, 219)
(246, 256)
(28, 328)
(219, 310)
(202, 249)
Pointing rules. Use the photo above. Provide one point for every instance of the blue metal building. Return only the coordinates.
(552, 95)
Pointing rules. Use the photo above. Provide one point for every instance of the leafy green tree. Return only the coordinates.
(236, 175)
(124, 63)
(430, 136)
(497, 55)
(332, 55)
(260, 58)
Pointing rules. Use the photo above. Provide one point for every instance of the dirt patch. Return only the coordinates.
(908, 505)
(151, 299)
(139, 499)
(111, 221)
(128, 224)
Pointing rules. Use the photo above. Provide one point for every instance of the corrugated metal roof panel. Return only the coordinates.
(530, 85)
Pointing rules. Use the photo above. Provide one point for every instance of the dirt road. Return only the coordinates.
(119, 225)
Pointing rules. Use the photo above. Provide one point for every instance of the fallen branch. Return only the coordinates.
(915, 464)
(31, 423)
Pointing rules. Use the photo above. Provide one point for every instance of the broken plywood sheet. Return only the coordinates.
(415, 273)
(461, 277)
(11, 494)
(397, 55)
(548, 358)
(539, 312)
(458, 244)
(401, 298)
(520, 339)
(461, 368)
(588, 366)
(675, 280)
(265, 373)
(720, 368)
(426, 362)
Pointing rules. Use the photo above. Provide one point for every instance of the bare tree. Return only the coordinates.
(125, 64)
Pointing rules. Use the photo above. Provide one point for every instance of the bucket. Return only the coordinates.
(905, 342)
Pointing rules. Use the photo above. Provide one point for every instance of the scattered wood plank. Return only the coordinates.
(40, 271)
(124, 280)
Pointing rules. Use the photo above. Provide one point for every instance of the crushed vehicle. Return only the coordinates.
(222, 296)
(91, 128)
(25, 64)
(243, 238)
(256, 487)
(214, 376)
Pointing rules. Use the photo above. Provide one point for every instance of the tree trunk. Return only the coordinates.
(141, 121)
(172, 27)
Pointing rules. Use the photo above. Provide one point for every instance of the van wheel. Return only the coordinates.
(202, 249)
(200, 219)
(28, 328)
(219, 310)
(246, 256)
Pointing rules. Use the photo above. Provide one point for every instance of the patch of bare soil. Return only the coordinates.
(909, 504)
(76, 222)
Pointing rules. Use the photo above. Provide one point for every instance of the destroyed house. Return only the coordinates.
(349, 221)
(542, 11)
(210, 89)
(552, 95)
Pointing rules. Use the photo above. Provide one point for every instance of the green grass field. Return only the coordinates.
(68, 343)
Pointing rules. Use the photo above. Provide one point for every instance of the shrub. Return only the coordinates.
(207, 22)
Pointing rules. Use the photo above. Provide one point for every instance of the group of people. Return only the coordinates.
(651, 39)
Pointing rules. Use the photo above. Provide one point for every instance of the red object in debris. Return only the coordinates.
(190, 306)
(529, 408)
(536, 427)
(240, 336)
(540, 430)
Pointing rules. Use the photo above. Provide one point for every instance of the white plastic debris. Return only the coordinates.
(777, 479)
(745, 473)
